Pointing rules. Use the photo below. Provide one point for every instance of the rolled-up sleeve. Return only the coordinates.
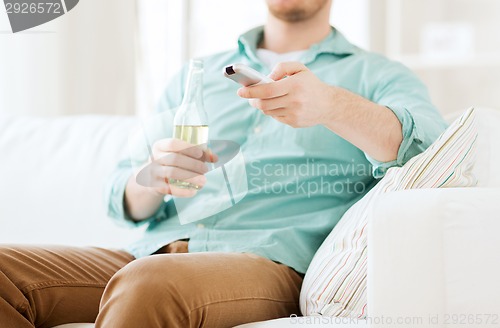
(398, 89)
(115, 191)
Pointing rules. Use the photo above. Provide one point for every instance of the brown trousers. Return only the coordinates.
(48, 286)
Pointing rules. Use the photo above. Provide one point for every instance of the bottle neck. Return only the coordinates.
(194, 88)
(192, 111)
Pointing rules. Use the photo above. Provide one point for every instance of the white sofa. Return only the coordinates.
(433, 253)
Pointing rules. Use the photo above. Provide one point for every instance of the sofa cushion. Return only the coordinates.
(488, 146)
(335, 283)
(438, 260)
(52, 177)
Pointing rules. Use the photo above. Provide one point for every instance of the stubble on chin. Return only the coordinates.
(298, 13)
(292, 16)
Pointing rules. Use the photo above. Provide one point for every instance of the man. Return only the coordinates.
(314, 141)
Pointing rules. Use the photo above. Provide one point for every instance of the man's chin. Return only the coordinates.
(292, 16)
(296, 12)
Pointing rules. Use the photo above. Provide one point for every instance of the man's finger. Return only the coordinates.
(182, 161)
(182, 192)
(287, 69)
(263, 91)
(268, 104)
(279, 112)
(177, 145)
(164, 186)
(209, 156)
(171, 172)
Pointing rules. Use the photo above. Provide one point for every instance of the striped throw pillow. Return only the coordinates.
(335, 282)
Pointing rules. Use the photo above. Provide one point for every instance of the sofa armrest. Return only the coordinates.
(434, 256)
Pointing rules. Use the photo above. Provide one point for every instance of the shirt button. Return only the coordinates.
(257, 129)
(200, 226)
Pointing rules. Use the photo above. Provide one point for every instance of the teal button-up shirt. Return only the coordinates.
(300, 181)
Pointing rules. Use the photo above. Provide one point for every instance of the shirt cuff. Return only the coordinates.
(115, 192)
(410, 146)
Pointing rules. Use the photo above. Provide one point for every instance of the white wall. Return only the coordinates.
(82, 62)
(213, 29)
(91, 61)
(452, 45)
(175, 30)
(352, 17)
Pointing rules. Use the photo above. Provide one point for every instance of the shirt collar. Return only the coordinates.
(335, 43)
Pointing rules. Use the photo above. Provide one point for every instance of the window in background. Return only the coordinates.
(453, 45)
(161, 48)
(81, 63)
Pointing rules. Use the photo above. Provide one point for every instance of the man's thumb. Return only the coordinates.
(286, 69)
